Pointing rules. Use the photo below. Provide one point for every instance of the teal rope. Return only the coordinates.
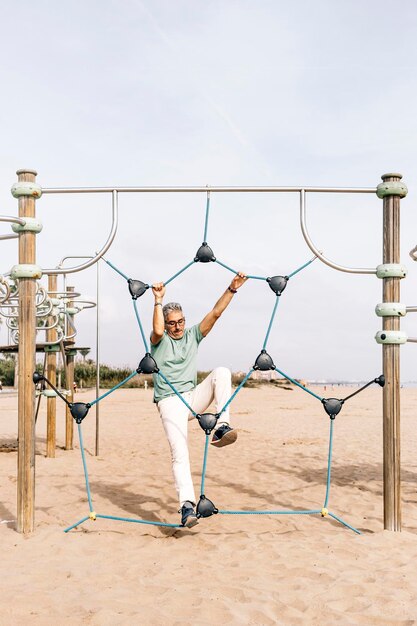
(226, 266)
(329, 463)
(138, 521)
(178, 273)
(177, 393)
(339, 519)
(114, 388)
(270, 323)
(236, 391)
(87, 482)
(203, 474)
(236, 272)
(298, 384)
(207, 216)
(300, 512)
(115, 268)
(84, 519)
(302, 267)
(140, 325)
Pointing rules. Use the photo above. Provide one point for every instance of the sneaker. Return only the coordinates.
(188, 515)
(224, 436)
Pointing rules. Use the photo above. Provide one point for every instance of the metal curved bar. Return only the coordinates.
(13, 220)
(53, 325)
(65, 294)
(46, 312)
(87, 304)
(58, 340)
(4, 237)
(412, 339)
(12, 322)
(413, 253)
(411, 309)
(43, 293)
(319, 255)
(72, 256)
(4, 284)
(69, 322)
(83, 266)
(7, 315)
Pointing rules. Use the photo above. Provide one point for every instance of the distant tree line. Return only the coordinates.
(85, 375)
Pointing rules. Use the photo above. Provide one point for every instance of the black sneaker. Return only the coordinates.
(188, 515)
(223, 436)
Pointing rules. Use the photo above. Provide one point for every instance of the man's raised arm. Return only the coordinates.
(222, 303)
(158, 324)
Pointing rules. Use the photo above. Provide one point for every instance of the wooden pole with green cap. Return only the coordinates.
(391, 190)
(26, 360)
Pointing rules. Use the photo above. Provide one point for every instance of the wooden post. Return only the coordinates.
(26, 367)
(69, 423)
(391, 365)
(51, 335)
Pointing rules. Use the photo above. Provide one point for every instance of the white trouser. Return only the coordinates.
(175, 415)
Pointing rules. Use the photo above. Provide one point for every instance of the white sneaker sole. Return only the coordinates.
(226, 440)
(191, 521)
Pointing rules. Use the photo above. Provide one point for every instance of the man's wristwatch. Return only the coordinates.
(232, 290)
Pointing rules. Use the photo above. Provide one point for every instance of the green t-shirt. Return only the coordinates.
(177, 360)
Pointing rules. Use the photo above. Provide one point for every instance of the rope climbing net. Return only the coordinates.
(208, 421)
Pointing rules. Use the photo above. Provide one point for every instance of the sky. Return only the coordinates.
(236, 93)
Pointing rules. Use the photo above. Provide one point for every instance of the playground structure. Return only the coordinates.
(55, 311)
(391, 190)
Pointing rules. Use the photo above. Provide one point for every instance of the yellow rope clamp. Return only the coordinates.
(324, 512)
(93, 516)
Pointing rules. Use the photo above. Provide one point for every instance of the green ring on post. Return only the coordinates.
(391, 188)
(32, 224)
(25, 270)
(23, 188)
(52, 348)
(391, 337)
(391, 270)
(49, 393)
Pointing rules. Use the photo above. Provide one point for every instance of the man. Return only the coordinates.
(174, 349)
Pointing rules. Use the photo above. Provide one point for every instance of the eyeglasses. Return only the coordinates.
(180, 322)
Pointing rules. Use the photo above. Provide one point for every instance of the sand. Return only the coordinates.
(251, 569)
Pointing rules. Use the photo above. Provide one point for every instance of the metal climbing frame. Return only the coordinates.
(391, 191)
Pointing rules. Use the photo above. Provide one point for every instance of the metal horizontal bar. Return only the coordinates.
(12, 219)
(206, 188)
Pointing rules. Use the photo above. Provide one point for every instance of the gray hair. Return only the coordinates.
(168, 308)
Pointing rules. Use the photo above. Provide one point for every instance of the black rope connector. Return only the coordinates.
(79, 410)
(205, 507)
(380, 380)
(204, 254)
(147, 365)
(264, 362)
(37, 377)
(277, 283)
(208, 421)
(332, 406)
(136, 288)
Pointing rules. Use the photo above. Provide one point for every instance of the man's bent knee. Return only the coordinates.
(222, 372)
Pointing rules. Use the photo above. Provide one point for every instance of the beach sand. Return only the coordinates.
(230, 569)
